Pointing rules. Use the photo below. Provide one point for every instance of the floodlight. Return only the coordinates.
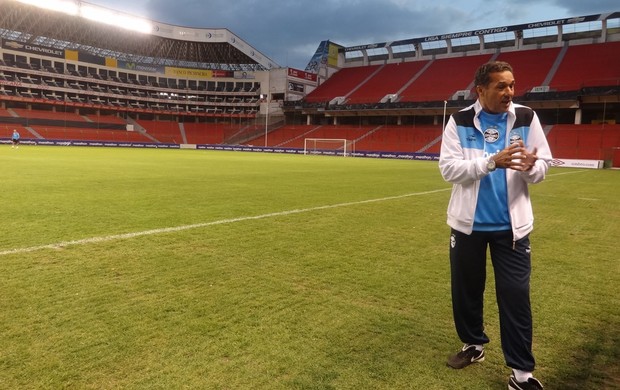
(113, 18)
(94, 13)
(68, 7)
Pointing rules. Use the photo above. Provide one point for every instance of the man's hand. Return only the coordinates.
(529, 160)
(516, 157)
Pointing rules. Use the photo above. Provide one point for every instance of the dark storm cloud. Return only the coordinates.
(289, 31)
(583, 7)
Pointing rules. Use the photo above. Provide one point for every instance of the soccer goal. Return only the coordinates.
(329, 146)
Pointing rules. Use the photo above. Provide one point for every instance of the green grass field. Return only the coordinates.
(178, 269)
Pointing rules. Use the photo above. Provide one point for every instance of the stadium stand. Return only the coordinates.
(6, 130)
(591, 65)
(409, 139)
(443, 78)
(202, 133)
(86, 134)
(288, 136)
(111, 119)
(532, 67)
(68, 78)
(44, 114)
(163, 131)
(591, 142)
(388, 81)
(348, 80)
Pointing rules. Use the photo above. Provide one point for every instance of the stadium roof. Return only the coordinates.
(164, 44)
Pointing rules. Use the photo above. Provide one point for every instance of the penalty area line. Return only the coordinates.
(124, 236)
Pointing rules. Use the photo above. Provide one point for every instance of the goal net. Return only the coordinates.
(329, 146)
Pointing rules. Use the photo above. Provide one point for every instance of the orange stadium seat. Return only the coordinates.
(443, 78)
(389, 80)
(163, 131)
(6, 130)
(346, 81)
(590, 65)
(531, 67)
(592, 141)
(88, 134)
(45, 114)
(210, 133)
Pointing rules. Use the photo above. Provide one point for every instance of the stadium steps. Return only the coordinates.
(182, 130)
(341, 83)
(415, 77)
(592, 65)
(430, 144)
(12, 113)
(33, 132)
(556, 65)
(242, 135)
(368, 134)
(531, 67)
(389, 80)
(300, 136)
(442, 78)
(358, 86)
(141, 129)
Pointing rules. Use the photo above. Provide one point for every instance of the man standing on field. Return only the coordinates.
(491, 151)
(15, 139)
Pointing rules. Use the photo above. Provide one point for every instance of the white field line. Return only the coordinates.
(114, 237)
(566, 173)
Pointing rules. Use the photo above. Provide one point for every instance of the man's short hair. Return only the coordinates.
(483, 73)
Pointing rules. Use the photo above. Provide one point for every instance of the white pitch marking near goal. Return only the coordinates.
(114, 237)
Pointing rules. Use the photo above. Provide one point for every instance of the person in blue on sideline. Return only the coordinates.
(15, 139)
(491, 151)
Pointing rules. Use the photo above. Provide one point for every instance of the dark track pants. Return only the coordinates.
(512, 287)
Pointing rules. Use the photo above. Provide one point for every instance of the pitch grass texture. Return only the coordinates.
(352, 296)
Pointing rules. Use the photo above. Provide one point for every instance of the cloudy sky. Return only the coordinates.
(289, 31)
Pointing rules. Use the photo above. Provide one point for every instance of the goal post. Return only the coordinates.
(329, 146)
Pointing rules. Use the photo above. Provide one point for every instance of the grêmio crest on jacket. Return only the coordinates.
(515, 135)
(491, 134)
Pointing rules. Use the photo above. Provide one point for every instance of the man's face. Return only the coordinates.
(497, 95)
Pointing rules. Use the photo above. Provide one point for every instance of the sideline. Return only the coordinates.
(114, 237)
(565, 173)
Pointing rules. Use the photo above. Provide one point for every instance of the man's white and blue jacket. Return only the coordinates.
(463, 163)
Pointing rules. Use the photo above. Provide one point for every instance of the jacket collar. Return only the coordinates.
(478, 108)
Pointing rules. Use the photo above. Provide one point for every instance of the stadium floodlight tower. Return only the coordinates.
(266, 99)
(113, 18)
(94, 13)
(67, 7)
